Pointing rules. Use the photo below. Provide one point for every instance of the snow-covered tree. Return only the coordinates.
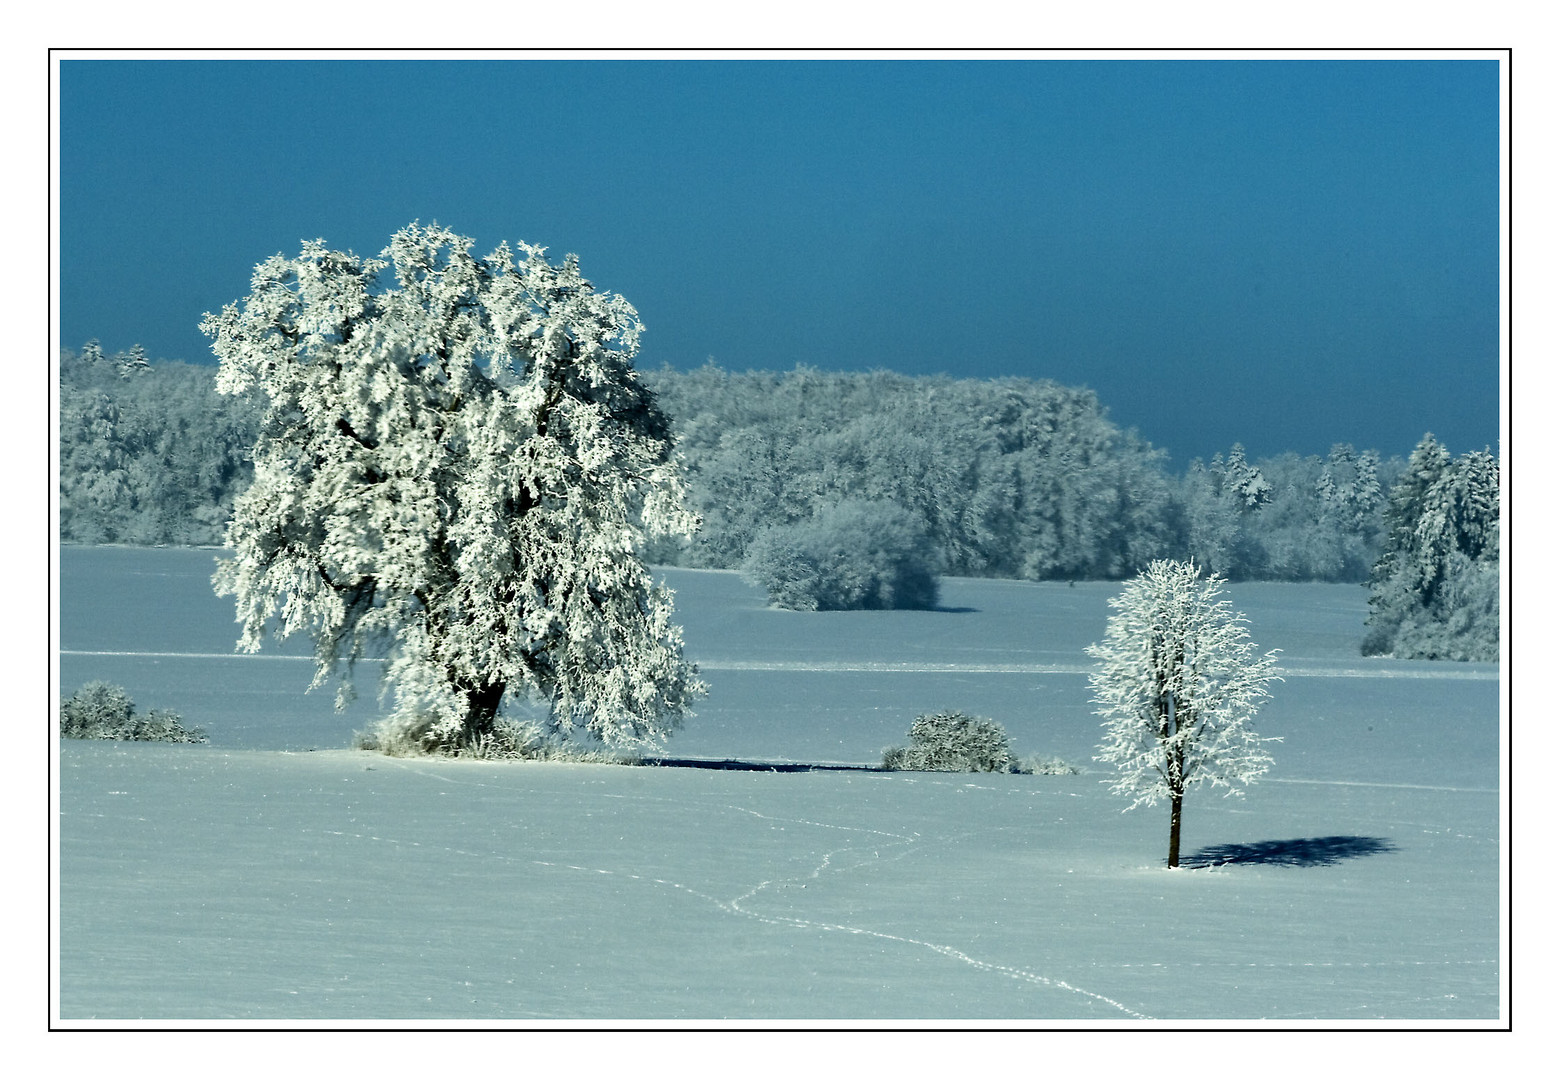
(1221, 510)
(1177, 682)
(1427, 466)
(1211, 519)
(1244, 481)
(133, 363)
(1435, 590)
(458, 466)
(1357, 494)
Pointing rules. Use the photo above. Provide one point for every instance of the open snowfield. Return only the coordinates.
(274, 875)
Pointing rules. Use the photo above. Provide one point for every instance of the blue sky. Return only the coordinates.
(1284, 253)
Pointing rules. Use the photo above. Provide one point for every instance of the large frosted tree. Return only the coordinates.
(457, 463)
(1177, 682)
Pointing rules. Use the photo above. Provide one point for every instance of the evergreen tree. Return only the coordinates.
(1478, 519)
(1435, 590)
(1358, 487)
(1245, 481)
(1405, 503)
(133, 363)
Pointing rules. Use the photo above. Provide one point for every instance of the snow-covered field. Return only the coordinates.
(276, 876)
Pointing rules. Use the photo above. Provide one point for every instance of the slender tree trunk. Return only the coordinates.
(1174, 759)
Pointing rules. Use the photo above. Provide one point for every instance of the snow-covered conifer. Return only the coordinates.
(1405, 503)
(1246, 481)
(457, 465)
(1364, 493)
(133, 363)
(1443, 523)
(1478, 518)
(1177, 682)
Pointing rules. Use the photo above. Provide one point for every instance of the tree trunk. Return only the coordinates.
(1175, 760)
(482, 708)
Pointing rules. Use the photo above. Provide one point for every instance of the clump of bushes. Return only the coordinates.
(507, 740)
(953, 742)
(850, 555)
(100, 710)
(1042, 765)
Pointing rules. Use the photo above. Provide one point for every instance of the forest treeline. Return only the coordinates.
(149, 454)
(1015, 478)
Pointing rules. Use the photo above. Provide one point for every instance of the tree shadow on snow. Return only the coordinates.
(732, 765)
(1315, 851)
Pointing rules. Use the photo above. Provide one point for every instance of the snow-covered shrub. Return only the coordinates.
(849, 555)
(953, 742)
(1042, 765)
(507, 740)
(100, 710)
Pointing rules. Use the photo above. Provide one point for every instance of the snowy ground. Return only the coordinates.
(253, 879)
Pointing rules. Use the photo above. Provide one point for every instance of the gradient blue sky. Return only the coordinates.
(1284, 253)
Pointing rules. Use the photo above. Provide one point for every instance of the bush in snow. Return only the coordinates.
(953, 742)
(1040, 765)
(100, 710)
(850, 555)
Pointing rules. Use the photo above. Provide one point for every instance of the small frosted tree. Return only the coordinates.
(1177, 683)
(457, 465)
